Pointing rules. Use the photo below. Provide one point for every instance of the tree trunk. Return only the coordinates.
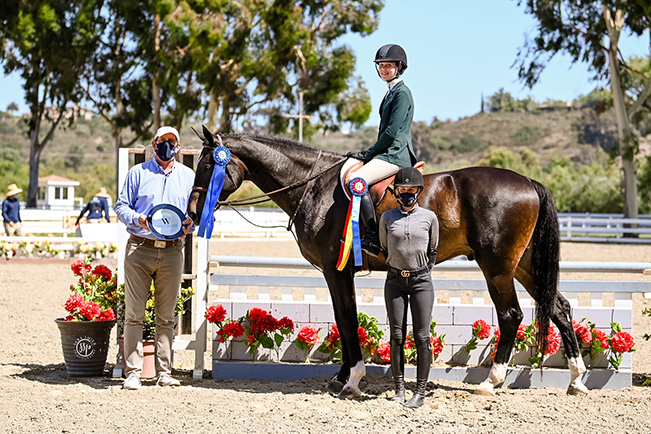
(34, 159)
(624, 132)
(155, 89)
(213, 107)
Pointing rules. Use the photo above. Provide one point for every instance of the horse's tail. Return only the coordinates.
(544, 264)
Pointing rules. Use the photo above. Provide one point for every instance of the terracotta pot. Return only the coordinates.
(148, 360)
(85, 345)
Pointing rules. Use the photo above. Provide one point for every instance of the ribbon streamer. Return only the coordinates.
(222, 157)
(359, 188)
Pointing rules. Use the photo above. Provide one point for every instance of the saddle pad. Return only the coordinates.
(378, 188)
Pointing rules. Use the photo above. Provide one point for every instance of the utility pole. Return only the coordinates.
(300, 116)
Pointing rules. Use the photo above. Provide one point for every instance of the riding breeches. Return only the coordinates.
(375, 170)
(399, 292)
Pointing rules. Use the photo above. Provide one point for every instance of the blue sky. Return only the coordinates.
(457, 50)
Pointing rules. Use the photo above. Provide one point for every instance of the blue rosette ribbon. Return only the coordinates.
(222, 157)
(358, 187)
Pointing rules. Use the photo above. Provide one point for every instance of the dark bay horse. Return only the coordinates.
(505, 221)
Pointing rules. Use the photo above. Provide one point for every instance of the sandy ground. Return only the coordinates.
(38, 395)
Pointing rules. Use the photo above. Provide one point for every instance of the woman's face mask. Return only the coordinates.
(165, 150)
(407, 199)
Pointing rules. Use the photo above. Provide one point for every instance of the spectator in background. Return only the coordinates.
(11, 212)
(95, 207)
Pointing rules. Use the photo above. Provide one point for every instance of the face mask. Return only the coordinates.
(165, 150)
(407, 199)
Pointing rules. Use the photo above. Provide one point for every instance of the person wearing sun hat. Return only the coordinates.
(11, 212)
(95, 207)
(158, 181)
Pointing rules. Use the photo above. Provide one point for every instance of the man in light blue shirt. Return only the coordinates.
(160, 180)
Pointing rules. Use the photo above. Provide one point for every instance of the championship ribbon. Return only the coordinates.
(221, 156)
(351, 229)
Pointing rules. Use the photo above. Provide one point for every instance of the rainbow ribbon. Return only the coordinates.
(222, 157)
(351, 236)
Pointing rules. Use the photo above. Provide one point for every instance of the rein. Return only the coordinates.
(239, 202)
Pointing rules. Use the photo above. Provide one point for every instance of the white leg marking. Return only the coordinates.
(496, 377)
(351, 389)
(577, 369)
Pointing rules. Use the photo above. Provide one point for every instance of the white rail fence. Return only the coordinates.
(304, 299)
(272, 223)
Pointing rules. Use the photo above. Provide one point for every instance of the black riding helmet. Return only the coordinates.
(392, 53)
(409, 177)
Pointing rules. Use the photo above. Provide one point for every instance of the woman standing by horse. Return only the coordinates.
(409, 234)
(392, 149)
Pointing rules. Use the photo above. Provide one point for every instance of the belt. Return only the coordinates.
(409, 273)
(159, 244)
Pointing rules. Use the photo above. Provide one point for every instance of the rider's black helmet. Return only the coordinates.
(408, 177)
(392, 53)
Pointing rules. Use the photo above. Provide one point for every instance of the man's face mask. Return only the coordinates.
(407, 199)
(165, 150)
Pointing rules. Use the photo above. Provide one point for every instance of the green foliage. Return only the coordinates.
(644, 184)
(468, 143)
(527, 133)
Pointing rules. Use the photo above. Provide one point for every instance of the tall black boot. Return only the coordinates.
(424, 362)
(371, 240)
(397, 368)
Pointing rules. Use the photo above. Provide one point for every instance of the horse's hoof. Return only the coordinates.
(349, 393)
(485, 390)
(577, 390)
(335, 386)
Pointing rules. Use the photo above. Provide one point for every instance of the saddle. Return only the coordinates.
(378, 189)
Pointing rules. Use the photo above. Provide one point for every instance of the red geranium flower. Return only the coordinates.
(103, 270)
(74, 302)
(250, 338)
(497, 333)
(78, 267)
(256, 314)
(582, 331)
(362, 334)
(520, 334)
(602, 338)
(286, 323)
(553, 342)
(216, 314)
(309, 335)
(333, 336)
(234, 329)
(437, 345)
(90, 310)
(623, 342)
(481, 329)
(385, 352)
(106, 315)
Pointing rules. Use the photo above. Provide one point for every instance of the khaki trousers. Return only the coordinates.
(142, 264)
(375, 170)
(15, 231)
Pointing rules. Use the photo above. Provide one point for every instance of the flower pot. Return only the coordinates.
(148, 357)
(85, 345)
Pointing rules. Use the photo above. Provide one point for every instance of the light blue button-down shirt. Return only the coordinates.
(146, 186)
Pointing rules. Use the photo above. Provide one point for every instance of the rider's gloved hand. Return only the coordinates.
(357, 155)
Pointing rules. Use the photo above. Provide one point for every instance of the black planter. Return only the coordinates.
(85, 345)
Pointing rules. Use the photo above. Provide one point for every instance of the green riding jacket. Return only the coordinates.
(394, 136)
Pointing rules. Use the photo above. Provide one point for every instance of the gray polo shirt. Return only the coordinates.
(409, 238)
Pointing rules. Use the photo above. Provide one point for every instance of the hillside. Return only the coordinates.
(85, 152)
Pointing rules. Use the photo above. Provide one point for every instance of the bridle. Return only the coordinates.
(247, 201)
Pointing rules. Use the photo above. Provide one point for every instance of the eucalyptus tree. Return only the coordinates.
(256, 55)
(48, 43)
(589, 31)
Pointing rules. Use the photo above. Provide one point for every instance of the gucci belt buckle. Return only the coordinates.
(404, 273)
(160, 244)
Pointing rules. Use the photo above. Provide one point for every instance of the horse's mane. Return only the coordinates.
(286, 143)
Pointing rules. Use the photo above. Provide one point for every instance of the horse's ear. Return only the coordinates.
(201, 136)
(208, 136)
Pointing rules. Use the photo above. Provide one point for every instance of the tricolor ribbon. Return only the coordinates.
(351, 229)
(222, 156)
